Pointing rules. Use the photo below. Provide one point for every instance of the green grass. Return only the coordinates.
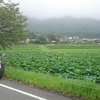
(30, 47)
(70, 48)
(86, 89)
(78, 88)
(73, 46)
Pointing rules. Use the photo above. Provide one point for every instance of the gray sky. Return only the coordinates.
(58, 8)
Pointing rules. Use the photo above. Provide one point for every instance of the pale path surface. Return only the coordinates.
(12, 90)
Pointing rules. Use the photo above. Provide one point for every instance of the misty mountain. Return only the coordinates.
(66, 26)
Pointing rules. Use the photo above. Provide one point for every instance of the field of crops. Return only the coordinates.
(83, 66)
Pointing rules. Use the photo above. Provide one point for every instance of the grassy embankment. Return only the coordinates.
(73, 87)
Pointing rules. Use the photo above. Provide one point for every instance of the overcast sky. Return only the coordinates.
(58, 8)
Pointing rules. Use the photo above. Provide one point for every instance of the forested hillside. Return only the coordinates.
(66, 26)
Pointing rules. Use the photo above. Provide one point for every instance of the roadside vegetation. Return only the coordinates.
(86, 90)
(71, 71)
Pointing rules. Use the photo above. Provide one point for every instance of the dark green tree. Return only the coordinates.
(12, 24)
(52, 37)
(41, 39)
(32, 35)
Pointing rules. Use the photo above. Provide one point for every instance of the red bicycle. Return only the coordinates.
(1, 66)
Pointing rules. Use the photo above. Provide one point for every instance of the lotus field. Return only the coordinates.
(83, 66)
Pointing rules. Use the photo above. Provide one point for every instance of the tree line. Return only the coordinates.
(42, 38)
